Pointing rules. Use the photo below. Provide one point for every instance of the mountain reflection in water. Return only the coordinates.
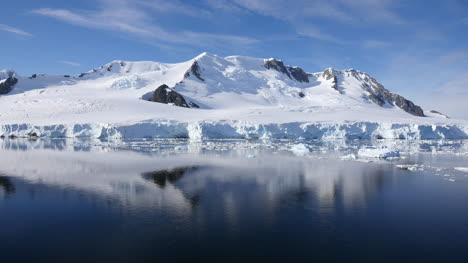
(6, 185)
(66, 204)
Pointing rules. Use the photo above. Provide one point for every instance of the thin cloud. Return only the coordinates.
(342, 11)
(99, 20)
(14, 30)
(339, 11)
(174, 7)
(314, 32)
(451, 98)
(70, 63)
(131, 18)
(376, 44)
(225, 5)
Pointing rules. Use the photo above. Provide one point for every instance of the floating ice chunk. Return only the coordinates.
(300, 149)
(348, 157)
(378, 153)
(461, 169)
(410, 167)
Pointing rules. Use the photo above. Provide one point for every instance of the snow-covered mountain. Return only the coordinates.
(213, 97)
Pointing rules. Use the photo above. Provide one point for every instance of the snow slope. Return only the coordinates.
(239, 97)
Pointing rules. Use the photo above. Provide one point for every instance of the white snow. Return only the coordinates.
(378, 153)
(239, 98)
(461, 169)
(300, 149)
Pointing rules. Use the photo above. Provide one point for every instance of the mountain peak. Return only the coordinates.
(205, 55)
(7, 73)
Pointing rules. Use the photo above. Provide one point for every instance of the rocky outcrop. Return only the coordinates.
(299, 74)
(6, 85)
(328, 74)
(277, 65)
(381, 96)
(439, 113)
(405, 104)
(194, 70)
(166, 95)
(294, 73)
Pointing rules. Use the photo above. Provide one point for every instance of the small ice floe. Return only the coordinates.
(300, 149)
(349, 157)
(410, 167)
(383, 153)
(251, 156)
(462, 169)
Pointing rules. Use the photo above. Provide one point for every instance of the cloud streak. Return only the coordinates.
(14, 30)
(132, 18)
(70, 63)
(303, 15)
(342, 11)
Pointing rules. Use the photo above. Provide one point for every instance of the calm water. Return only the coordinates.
(230, 201)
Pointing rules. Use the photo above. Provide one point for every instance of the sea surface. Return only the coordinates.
(232, 201)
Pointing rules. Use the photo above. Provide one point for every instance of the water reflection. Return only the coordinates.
(208, 202)
(171, 176)
(6, 185)
(329, 148)
(161, 177)
(182, 180)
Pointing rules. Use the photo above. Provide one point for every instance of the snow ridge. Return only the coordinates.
(235, 97)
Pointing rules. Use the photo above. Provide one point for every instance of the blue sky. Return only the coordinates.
(416, 48)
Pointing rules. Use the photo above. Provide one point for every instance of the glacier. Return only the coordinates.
(238, 97)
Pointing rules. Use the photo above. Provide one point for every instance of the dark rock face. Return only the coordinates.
(277, 65)
(166, 95)
(299, 74)
(7, 85)
(380, 95)
(406, 105)
(294, 73)
(195, 70)
(330, 74)
(438, 112)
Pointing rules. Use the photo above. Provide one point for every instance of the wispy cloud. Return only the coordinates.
(132, 18)
(14, 30)
(174, 7)
(316, 33)
(376, 44)
(451, 97)
(432, 78)
(225, 5)
(70, 63)
(344, 11)
(303, 14)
